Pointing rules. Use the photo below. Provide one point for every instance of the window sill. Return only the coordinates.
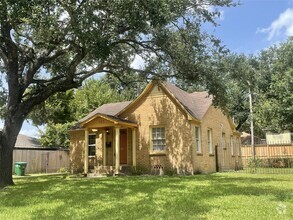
(199, 154)
(211, 155)
(233, 155)
(92, 156)
(159, 153)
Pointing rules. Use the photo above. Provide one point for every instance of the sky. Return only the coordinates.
(247, 28)
(255, 25)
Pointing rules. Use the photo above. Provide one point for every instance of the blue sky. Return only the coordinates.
(248, 28)
(255, 25)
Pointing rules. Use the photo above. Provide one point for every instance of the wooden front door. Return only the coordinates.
(123, 146)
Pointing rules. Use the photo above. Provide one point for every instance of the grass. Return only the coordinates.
(215, 196)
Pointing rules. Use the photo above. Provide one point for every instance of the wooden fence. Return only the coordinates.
(268, 156)
(42, 160)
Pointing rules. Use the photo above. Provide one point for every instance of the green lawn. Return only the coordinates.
(216, 196)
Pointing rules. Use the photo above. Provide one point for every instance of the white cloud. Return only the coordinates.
(281, 26)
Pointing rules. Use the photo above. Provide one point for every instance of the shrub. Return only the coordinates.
(255, 163)
(138, 170)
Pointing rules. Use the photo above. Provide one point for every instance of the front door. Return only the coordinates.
(123, 146)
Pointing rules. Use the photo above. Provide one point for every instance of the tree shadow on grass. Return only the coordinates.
(131, 197)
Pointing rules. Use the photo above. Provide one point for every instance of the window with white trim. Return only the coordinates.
(231, 145)
(223, 141)
(210, 141)
(159, 139)
(197, 139)
(92, 144)
(238, 146)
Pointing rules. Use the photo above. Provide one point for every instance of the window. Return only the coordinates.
(92, 144)
(210, 141)
(238, 146)
(158, 139)
(223, 141)
(232, 145)
(197, 139)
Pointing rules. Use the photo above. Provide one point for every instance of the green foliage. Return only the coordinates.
(57, 109)
(63, 170)
(61, 111)
(50, 46)
(55, 135)
(275, 106)
(93, 94)
(269, 77)
(138, 170)
(255, 163)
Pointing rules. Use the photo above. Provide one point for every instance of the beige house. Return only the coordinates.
(164, 128)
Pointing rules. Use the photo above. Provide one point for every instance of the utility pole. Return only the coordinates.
(251, 121)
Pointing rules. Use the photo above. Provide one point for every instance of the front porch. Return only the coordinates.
(110, 144)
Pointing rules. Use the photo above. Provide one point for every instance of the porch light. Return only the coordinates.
(107, 131)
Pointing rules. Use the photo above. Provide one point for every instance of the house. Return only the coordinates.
(284, 137)
(164, 128)
(24, 141)
(246, 139)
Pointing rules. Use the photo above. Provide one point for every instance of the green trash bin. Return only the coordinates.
(19, 168)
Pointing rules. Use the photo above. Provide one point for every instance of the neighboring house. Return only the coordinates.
(246, 139)
(39, 159)
(284, 137)
(24, 141)
(163, 128)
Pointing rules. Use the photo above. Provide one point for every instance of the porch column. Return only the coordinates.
(86, 151)
(104, 147)
(134, 146)
(117, 150)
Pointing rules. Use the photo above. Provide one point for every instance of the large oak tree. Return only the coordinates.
(53, 45)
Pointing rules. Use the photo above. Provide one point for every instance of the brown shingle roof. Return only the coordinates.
(196, 103)
(107, 109)
(27, 142)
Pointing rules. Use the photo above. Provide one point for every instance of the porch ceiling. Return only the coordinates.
(104, 120)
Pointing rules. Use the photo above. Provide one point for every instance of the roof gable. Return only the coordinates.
(110, 109)
(197, 103)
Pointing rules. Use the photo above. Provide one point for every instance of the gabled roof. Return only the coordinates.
(111, 118)
(25, 141)
(197, 103)
(110, 109)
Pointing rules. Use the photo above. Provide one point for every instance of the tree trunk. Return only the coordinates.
(8, 138)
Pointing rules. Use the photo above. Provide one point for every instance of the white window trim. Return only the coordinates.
(197, 140)
(151, 139)
(91, 145)
(223, 140)
(238, 146)
(232, 145)
(210, 140)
